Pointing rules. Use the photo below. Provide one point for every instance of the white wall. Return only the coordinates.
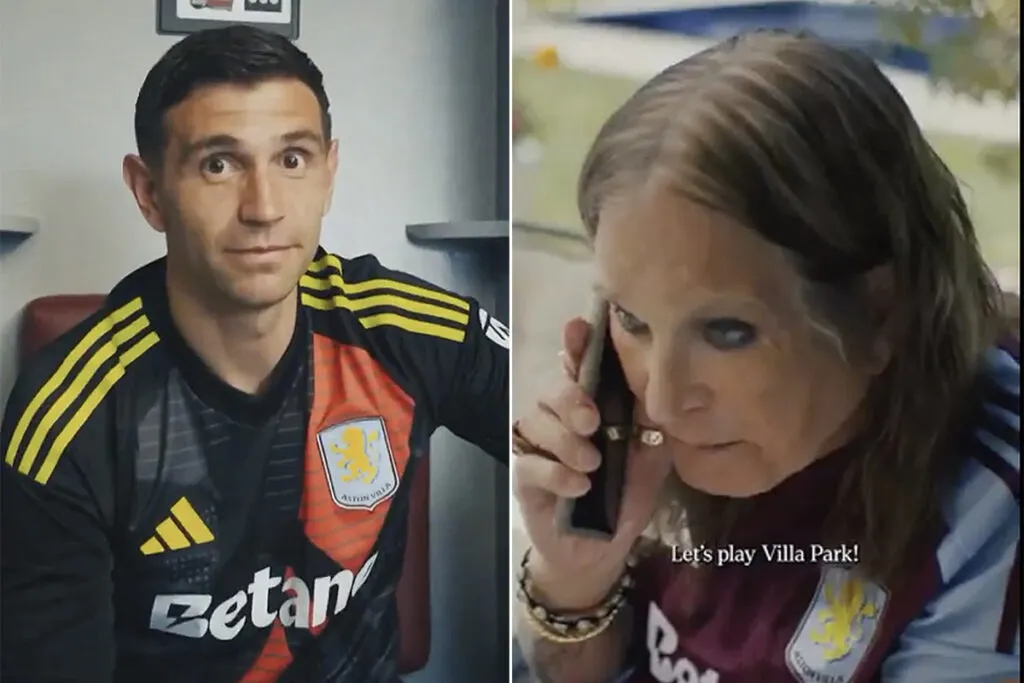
(411, 85)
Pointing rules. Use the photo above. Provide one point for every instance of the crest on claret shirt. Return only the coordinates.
(837, 629)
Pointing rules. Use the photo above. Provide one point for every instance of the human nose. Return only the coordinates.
(261, 204)
(671, 391)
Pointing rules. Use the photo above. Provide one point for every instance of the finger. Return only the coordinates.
(574, 341)
(534, 474)
(546, 432)
(573, 408)
(647, 469)
(569, 368)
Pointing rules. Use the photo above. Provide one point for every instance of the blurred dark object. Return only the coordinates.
(1011, 313)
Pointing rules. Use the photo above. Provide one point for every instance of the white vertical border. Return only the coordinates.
(512, 504)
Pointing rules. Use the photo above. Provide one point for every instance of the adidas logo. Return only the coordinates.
(181, 529)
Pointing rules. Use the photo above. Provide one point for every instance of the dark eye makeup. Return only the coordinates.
(724, 334)
(629, 322)
(728, 334)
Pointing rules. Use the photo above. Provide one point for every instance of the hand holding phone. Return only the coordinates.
(587, 488)
(596, 513)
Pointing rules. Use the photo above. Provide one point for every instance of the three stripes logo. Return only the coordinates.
(495, 330)
(384, 301)
(62, 406)
(181, 529)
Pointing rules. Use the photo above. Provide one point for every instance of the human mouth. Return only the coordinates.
(259, 257)
(715, 447)
(709, 446)
(258, 250)
(270, 253)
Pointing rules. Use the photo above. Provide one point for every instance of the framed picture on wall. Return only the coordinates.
(177, 17)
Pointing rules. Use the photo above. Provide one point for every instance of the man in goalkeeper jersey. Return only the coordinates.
(208, 480)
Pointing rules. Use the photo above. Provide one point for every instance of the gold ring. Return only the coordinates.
(616, 433)
(523, 446)
(648, 436)
(520, 444)
(651, 437)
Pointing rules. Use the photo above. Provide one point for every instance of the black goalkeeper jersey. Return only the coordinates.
(159, 526)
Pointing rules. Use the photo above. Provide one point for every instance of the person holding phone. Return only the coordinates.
(797, 300)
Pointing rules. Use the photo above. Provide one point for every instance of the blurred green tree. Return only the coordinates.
(981, 60)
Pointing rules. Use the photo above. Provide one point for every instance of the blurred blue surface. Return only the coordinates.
(854, 26)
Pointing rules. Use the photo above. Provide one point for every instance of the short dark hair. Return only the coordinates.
(236, 54)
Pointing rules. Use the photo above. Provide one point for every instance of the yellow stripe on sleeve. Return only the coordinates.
(126, 357)
(325, 275)
(103, 328)
(331, 261)
(392, 319)
(377, 300)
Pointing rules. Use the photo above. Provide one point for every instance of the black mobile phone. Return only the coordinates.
(596, 513)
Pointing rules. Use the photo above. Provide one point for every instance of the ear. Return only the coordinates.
(332, 170)
(142, 184)
(879, 286)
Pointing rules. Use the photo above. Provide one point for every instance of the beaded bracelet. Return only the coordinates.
(576, 628)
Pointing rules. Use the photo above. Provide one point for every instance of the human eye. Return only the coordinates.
(217, 165)
(728, 334)
(296, 159)
(629, 322)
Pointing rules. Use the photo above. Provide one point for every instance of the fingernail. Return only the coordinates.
(589, 460)
(583, 420)
(583, 486)
(564, 365)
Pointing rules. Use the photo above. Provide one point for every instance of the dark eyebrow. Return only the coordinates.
(222, 141)
(229, 142)
(304, 135)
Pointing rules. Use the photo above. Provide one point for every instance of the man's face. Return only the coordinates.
(247, 177)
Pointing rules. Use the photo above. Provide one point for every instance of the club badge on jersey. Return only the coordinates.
(360, 467)
(838, 628)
